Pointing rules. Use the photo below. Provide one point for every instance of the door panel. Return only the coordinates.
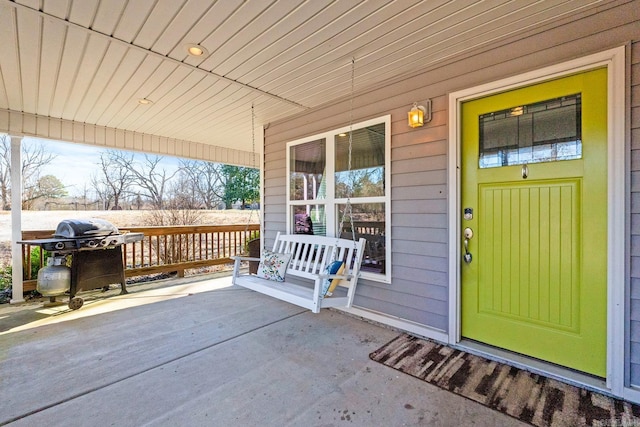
(530, 241)
(537, 281)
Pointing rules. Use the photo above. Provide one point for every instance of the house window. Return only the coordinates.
(323, 177)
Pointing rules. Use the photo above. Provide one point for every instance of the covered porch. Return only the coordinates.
(267, 83)
(203, 352)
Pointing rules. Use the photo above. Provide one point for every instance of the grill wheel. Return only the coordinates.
(75, 303)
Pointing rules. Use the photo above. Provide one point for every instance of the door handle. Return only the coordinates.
(468, 235)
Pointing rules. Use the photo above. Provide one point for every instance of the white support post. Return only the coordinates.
(16, 220)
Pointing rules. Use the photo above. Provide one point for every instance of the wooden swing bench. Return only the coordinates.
(306, 272)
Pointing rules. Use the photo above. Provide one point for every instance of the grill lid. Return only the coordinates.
(77, 228)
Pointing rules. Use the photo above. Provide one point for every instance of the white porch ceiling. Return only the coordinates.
(89, 61)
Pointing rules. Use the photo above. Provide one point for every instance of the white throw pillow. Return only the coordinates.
(273, 265)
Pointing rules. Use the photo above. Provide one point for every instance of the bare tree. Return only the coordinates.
(84, 194)
(137, 200)
(149, 175)
(102, 191)
(115, 177)
(183, 194)
(205, 180)
(34, 158)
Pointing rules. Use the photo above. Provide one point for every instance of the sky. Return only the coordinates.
(75, 163)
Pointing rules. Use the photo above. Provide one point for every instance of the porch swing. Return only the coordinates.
(309, 271)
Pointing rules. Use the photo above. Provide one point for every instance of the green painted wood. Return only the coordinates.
(530, 262)
(537, 284)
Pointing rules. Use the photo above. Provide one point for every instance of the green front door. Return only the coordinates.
(534, 194)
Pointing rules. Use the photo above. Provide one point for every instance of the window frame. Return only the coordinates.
(330, 202)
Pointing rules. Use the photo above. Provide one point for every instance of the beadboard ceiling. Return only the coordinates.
(90, 61)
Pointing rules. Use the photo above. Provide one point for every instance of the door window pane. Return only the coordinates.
(541, 132)
(367, 162)
(307, 171)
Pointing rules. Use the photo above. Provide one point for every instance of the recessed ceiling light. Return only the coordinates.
(196, 50)
(144, 101)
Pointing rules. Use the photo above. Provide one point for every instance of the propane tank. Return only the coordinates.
(55, 278)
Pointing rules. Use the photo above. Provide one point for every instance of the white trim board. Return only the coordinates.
(614, 60)
(25, 124)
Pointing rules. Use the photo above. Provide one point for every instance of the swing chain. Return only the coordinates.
(253, 152)
(348, 211)
(253, 135)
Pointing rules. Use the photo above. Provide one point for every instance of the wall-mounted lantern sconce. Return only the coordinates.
(419, 115)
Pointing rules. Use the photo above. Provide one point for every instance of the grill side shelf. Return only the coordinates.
(84, 244)
(53, 245)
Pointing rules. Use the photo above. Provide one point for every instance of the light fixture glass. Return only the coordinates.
(517, 111)
(419, 115)
(416, 115)
(196, 50)
(144, 101)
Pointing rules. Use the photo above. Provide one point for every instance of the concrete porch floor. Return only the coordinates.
(200, 352)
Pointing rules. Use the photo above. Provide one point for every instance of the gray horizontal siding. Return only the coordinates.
(426, 192)
(412, 179)
(421, 151)
(421, 220)
(419, 164)
(420, 234)
(423, 262)
(418, 290)
(419, 315)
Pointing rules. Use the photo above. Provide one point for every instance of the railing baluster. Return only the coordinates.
(124, 255)
(217, 244)
(135, 262)
(29, 262)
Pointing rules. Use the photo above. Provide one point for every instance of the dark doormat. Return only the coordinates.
(529, 397)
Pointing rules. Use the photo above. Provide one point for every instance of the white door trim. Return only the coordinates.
(614, 60)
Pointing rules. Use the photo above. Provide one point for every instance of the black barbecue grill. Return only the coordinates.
(95, 249)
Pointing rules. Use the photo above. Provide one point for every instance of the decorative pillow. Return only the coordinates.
(332, 268)
(273, 265)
